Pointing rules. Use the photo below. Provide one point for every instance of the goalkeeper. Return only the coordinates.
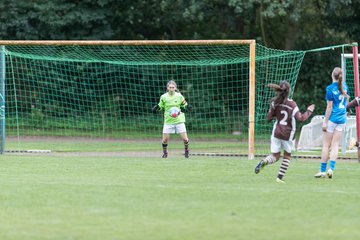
(173, 98)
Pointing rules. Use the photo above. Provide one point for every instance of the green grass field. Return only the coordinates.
(60, 196)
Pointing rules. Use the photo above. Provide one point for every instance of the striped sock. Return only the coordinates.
(270, 159)
(332, 164)
(323, 167)
(283, 168)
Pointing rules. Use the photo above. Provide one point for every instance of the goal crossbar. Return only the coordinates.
(125, 42)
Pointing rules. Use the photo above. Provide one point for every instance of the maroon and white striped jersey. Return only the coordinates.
(285, 116)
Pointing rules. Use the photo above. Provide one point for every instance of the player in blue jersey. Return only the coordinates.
(334, 122)
(173, 124)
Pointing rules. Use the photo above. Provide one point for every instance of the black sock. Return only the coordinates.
(164, 146)
(186, 145)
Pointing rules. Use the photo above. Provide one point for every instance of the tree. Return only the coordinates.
(58, 19)
(281, 24)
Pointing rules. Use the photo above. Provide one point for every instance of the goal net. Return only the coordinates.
(311, 134)
(103, 89)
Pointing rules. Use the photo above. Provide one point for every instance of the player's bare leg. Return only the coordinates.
(185, 139)
(327, 138)
(334, 152)
(165, 140)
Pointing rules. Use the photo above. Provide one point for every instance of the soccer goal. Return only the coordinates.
(106, 89)
(311, 133)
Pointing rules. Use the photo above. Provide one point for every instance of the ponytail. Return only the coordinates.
(340, 84)
(282, 92)
(337, 76)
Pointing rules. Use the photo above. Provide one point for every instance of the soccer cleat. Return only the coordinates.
(186, 153)
(260, 166)
(280, 180)
(320, 175)
(165, 155)
(329, 173)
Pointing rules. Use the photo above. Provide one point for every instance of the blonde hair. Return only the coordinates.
(337, 76)
(173, 83)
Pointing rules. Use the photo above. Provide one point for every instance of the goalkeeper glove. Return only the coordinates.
(187, 108)
(156, 108)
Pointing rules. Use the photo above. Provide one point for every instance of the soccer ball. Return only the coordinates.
(174, 112)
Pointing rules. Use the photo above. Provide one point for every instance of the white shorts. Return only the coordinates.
(278, 144)
(331, 127)
(174, 128)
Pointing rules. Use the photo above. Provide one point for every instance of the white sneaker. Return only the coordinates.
(329, 173)
(280, 180)
(320, 175)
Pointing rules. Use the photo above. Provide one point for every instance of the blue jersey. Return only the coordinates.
(338, 113)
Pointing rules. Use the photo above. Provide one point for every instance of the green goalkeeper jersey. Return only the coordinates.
(168, 101)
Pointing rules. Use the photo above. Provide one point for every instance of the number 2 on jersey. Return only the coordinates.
(341, 104)
(283, 120)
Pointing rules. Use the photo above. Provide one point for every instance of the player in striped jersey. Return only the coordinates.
(285, 112)
(354, 103)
